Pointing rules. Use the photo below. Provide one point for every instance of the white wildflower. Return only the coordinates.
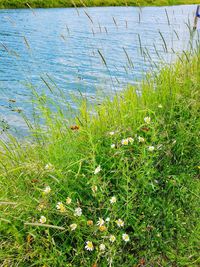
(141, 139)
(120, 223)
(78, 212)
(151, 148)
(113, 200)
(100, 222)
(147, 120)
(68, 200)
(89, 246)
(97, 170)
(124, 142)
(130, 140)
(73, 226)
(60, 206)
(47, 190)
(42, 219)
(102, 247)
(125, 237)
(107, 219)
(112, 238)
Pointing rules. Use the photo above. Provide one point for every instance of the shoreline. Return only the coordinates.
(13, 4)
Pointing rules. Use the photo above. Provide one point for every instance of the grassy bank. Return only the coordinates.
(80, 3)
(123, 183)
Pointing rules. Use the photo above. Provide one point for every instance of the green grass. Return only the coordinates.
(157, 192)
(80, 3)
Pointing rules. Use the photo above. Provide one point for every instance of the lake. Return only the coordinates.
(95, 51)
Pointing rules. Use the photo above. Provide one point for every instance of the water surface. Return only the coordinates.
(89, 50)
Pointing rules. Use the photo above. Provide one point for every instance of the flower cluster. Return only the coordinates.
(105, 231)
(101, 226)
(102, 247)
(130, 140)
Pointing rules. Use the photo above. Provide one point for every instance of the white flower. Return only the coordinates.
(47, 190)
(68, 200)
(151, 148)
(102, 247)
(60, 206)
(97, 170)
(49, 167)
(125, 237)
(112, 238)
(124, 142)
(120, 223)
(42, 219)
(107, 219)
(141, 139)
(73, 226)
(89, 246)
(113, 200)
(94, 188)
(112, 146)
(147, 120)
(130, 140)
(100, 222)
(160, 106)
(111, 133)
(78, 212)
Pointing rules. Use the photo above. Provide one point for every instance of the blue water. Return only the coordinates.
(67, 44)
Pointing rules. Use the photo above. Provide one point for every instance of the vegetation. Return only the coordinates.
(119, 188)
(82, 3)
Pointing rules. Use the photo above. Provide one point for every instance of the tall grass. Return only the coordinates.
(135, 159)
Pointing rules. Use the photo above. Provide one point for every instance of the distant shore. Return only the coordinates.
(89, 3)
